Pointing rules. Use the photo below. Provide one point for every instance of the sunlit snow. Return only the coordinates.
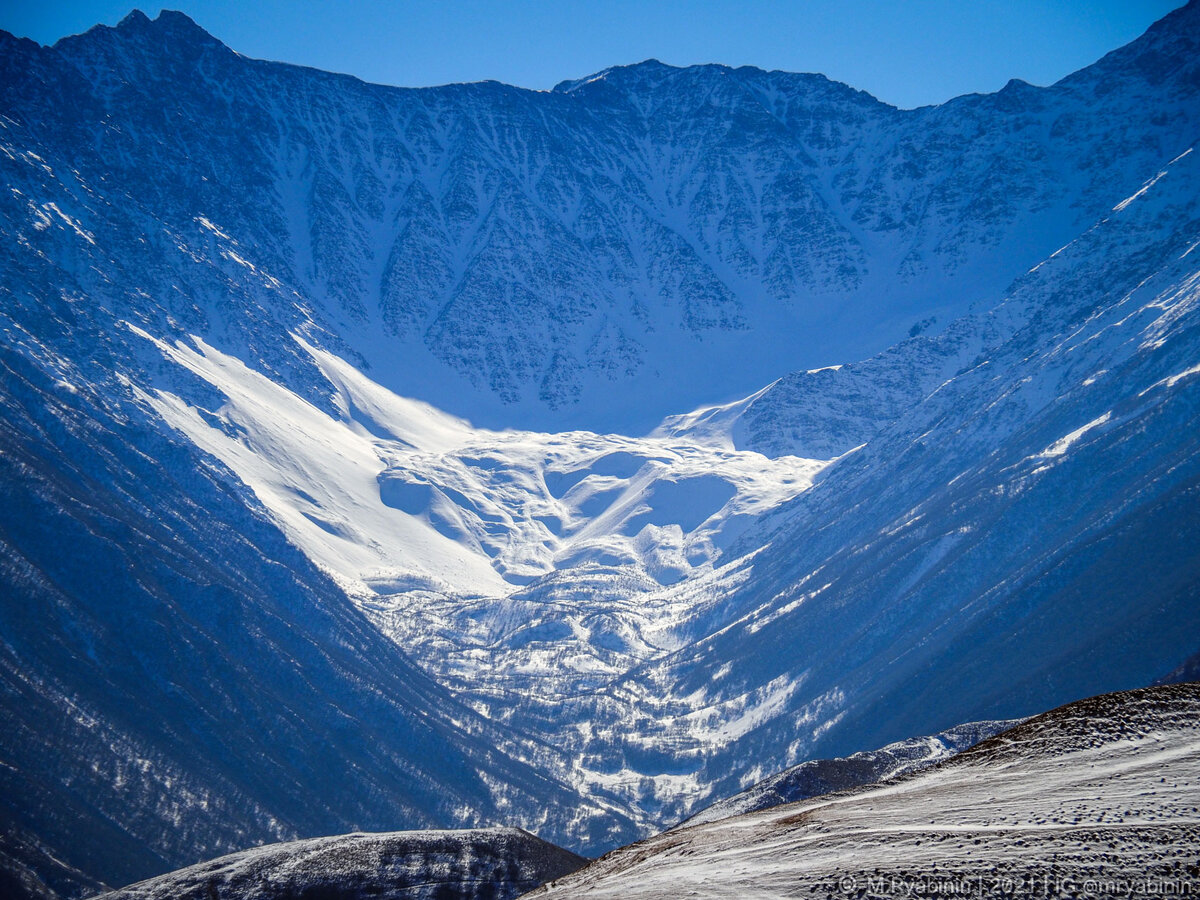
(392, 494)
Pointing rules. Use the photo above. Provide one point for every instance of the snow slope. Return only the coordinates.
(1095, 799)
(1013, 529)
(179, 680)
(391, 494)
(825, 776)
(957, 567)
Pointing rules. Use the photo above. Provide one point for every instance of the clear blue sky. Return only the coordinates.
(907, 52)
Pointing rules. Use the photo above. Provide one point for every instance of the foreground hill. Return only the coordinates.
(495, 863)
(1095, 799)
(484, 864)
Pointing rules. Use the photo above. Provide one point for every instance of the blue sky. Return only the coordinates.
(907, 52)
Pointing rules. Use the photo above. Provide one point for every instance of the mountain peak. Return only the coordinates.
(1166, 51)
(135, 19)
(651, 74)
(641, 72)
(170, 27)
(171, 24)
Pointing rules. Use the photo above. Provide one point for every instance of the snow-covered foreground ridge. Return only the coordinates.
(1096, 799)
(815, 777)
(348, 481)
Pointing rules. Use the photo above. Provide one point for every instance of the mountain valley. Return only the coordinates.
(383, 459)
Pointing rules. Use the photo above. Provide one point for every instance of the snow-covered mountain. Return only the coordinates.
(483, 864)
(533, 258)
(381, 458)
(1095, 799)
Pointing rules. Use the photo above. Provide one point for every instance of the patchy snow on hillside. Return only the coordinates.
(477, 864)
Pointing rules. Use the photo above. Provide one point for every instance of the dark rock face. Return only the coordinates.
(483, 864)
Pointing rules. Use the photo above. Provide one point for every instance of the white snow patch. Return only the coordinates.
(1145, 187)
(1063, 444)
(1172, 380)
(205, 223)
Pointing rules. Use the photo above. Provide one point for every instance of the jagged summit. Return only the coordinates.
(641, 87)
(1179, 24)
(1166, 53)
(137, 20)
(649, 68)
(171, 27)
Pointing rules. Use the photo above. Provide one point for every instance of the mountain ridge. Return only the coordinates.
(615, 346)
